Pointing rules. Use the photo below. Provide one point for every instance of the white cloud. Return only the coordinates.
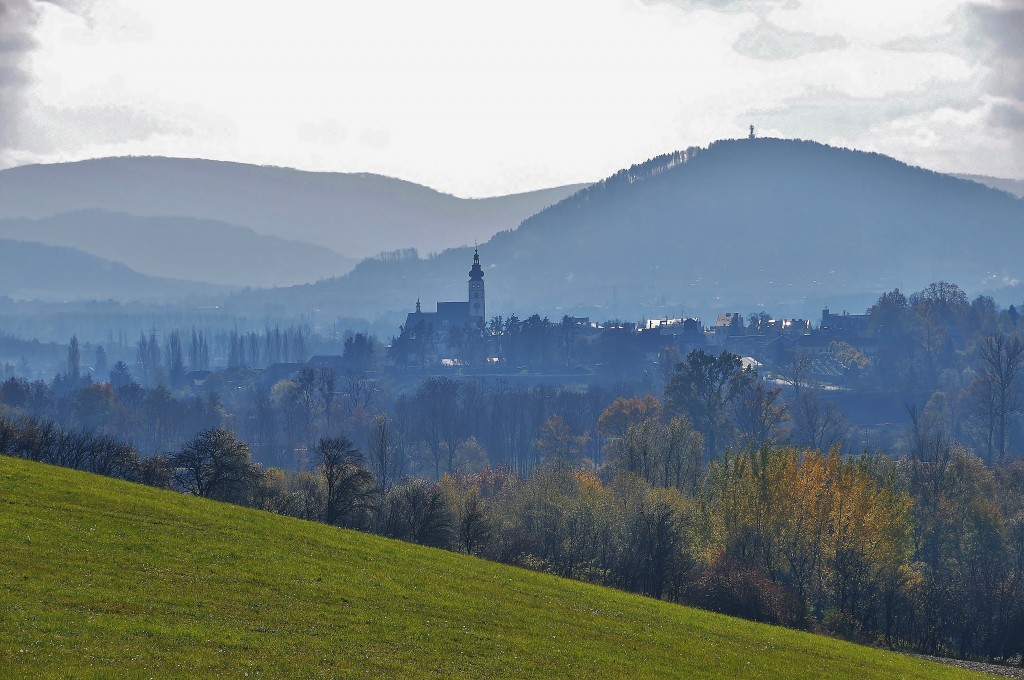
(479, 98)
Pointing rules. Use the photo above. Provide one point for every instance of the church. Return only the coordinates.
(426, 331)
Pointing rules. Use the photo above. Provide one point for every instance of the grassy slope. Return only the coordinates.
(100, 577)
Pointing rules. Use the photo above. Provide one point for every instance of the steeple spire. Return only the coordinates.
(476, 273)
(476, 288)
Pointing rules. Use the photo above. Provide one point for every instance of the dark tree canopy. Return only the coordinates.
(704, 388)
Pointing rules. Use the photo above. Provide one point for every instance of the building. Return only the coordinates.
(845, 324)
(427, 333)
(450, 315)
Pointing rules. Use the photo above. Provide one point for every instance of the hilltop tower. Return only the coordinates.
(476, 289)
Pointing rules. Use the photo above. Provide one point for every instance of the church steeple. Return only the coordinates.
(476, 288)
(476, 273)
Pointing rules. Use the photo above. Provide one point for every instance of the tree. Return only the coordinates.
(198, 352)
(358, 352)
(704, 388)
(623, 413)
(101, 360)
(175, 359)
(350, 487)
(385, 460)
(759, 415)
(1002, 358)
(939, 308)
(437, 403)
(74, 360)
(474, 527)
(120, 376)
(148, 355)
(470, 456)
(668, 358)
(567, 337)
(326, 385)
(216, 464)
(417, 512)
(305, 384)
(652, 546)
(890, 322)
(112, 458)
(558, 442)
(665, 454)
(817, 423)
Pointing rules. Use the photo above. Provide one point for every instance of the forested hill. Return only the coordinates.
(356, 215)
(783, 225)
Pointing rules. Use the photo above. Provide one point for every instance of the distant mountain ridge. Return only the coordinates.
(356, 215)
(1010, 186)
(33, 271)
(777, 225)
(183, 248)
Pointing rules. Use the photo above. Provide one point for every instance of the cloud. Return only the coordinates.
(825, 114)
(52, 130)
(770, 42)
(760, 7)
(1000, 31)
(18, 22)
(1008, 116)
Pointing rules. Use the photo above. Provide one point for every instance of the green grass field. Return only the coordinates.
(104, 578)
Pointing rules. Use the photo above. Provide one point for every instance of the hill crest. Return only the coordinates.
(355, 214)
(782, 226)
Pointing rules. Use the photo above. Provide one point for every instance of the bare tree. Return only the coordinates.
(384, 459)
(817, 424)
(325, 387)
(1002, 358)
(350, 488)
(759, 414)
(174, 356)
(216, 464)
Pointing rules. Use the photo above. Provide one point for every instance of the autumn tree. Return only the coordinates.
(624, 412)
(557, 440)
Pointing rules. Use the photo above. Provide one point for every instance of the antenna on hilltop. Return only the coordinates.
(751, 132)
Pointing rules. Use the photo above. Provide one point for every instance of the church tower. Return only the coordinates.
(476, 289)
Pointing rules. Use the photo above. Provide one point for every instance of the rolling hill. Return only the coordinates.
(105, 578)
(183, 248)
(33, 271)
(782, 226)
(357, 215)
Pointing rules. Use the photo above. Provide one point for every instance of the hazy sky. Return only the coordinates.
(476, 97)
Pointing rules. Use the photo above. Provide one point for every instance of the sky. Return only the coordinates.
(480, 98)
